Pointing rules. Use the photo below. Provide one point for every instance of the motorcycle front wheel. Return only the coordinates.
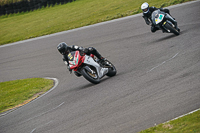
(172, 29)
(91, 77)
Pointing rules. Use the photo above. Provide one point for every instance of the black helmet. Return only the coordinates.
(63, 48)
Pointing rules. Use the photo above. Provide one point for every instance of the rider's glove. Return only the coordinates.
(70, 70)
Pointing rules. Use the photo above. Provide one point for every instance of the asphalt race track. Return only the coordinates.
(158, 77)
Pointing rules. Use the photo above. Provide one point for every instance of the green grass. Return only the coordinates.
(16, 27)
(19, 92)
(187, 124)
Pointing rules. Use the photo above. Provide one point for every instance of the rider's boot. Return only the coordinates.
(97, 54)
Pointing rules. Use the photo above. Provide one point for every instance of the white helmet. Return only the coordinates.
(145, 7)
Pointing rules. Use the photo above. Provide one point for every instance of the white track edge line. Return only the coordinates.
(183, 115)
(55, 85)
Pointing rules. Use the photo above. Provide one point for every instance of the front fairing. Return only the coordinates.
(75, 59)
(157, 17)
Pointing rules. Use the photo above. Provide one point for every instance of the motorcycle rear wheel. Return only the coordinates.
(111, 70)
(93, 78)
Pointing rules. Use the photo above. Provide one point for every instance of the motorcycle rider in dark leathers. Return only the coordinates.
(147, 11)
(64, 49)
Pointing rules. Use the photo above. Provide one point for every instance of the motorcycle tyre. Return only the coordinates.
(111, 71)
(172, 29)
(89, 78)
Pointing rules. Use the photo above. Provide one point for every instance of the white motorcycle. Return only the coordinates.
(91, 69)
(164, 22)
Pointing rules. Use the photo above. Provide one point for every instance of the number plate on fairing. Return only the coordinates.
(159, 18)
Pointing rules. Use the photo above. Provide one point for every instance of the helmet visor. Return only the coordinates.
(62, 51)
(145, 10)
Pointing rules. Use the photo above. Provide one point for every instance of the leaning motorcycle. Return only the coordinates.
(164, 22)
(90, 67)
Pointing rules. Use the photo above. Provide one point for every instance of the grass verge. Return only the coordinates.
(187, 124)
(17, 27)
(16, 93)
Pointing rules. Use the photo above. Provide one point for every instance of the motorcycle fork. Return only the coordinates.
(162, 26)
